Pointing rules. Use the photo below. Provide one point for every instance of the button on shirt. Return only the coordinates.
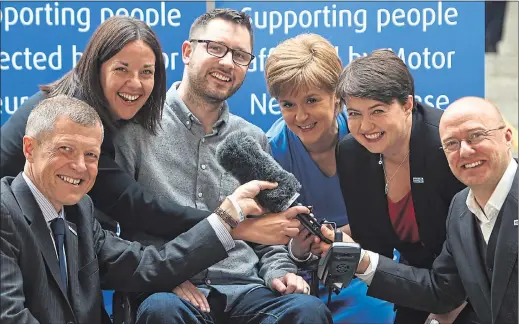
(48, 211)
(169, 165)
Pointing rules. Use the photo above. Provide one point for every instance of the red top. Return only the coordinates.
(403, 218)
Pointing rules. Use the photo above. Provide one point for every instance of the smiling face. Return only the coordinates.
(378, 126)
(482, 164)
(62, 164)
(311, 115)
(127, 79)
(216, 79)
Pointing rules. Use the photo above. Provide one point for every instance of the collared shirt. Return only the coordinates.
(487, 216)
(48, 211)
(180, 164)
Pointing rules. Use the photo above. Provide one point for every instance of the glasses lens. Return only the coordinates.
(451, 146)
(241, 57)
(477, 137)
(216, 49)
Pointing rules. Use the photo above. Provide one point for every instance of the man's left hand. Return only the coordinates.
(291, 284)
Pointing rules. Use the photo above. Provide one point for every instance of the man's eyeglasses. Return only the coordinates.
(220, 50)
(475, 137)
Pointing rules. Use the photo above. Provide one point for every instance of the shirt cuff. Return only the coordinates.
(368, 275)
(293, 256)
(221, 232)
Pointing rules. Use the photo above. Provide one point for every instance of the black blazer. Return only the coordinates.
(459, 271)
(31, 289)
(115, 193)
(362, 183)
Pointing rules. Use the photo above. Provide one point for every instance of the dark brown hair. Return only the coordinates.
(380, 76)
(83, 80)
(239, 18)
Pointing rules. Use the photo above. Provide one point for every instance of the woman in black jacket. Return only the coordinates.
(123, 76)
(394, 177)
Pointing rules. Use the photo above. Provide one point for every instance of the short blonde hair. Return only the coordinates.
(302, 62)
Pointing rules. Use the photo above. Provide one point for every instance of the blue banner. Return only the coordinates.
(41, 41)
(442, 43)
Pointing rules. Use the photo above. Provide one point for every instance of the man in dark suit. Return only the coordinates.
(53, 252)
(479, 257)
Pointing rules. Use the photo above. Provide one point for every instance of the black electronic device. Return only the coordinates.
(338, 266)
(311, 224)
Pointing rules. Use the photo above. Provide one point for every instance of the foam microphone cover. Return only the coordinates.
(242, 156)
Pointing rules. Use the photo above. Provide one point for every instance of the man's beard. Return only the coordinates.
(200, 87)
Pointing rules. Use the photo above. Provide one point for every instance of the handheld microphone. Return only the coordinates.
(242, 156)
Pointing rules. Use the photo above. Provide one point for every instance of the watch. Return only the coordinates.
(226, 217)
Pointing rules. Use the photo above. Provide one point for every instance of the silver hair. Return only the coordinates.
(43, 117)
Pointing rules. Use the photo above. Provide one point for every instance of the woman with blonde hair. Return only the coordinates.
(302, 73)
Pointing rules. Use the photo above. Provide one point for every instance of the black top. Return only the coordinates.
(432, 186)
(115, 192)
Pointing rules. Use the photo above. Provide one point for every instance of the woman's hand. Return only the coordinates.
(301, 244)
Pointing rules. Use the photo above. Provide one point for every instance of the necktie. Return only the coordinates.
(58, 230)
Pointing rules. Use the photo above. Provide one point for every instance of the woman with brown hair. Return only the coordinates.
(394, 177)
(123, 76)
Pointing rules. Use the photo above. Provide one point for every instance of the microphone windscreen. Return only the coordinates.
(242, 156)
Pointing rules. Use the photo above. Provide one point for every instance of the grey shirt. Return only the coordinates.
(180, 164)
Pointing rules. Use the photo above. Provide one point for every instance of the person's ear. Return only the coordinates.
(187, 52)
(29, 146)
(337, 107)
(408, 106)
(509, 137)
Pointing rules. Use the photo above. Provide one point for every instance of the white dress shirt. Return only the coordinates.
(486, 218)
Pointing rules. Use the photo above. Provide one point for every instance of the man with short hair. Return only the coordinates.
(53, 253)
(479, 256)
(256, 283)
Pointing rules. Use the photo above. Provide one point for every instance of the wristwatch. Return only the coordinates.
(226, 217)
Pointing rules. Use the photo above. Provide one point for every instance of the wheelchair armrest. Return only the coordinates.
(311, 267)
(124, 308)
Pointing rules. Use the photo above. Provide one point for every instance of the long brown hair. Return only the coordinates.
(83, 80)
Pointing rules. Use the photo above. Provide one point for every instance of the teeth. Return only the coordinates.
(128, 97)
(308, 126)
(70, 180)
(220, 77)
(472, 165)
(373, 136)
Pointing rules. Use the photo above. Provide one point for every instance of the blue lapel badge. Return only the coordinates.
(417, 180)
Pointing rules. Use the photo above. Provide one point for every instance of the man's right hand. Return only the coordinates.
(270, 229)
(245, 194)
(324, 247)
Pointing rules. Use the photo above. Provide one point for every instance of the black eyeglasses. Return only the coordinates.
(220, 50)
(476, 137)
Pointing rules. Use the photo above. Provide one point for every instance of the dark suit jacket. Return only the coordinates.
(31, 291)
(362, 183)
(459, 270)
(115, 193)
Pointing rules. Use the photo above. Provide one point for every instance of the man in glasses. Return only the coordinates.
(255, 284)
(479, 257)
